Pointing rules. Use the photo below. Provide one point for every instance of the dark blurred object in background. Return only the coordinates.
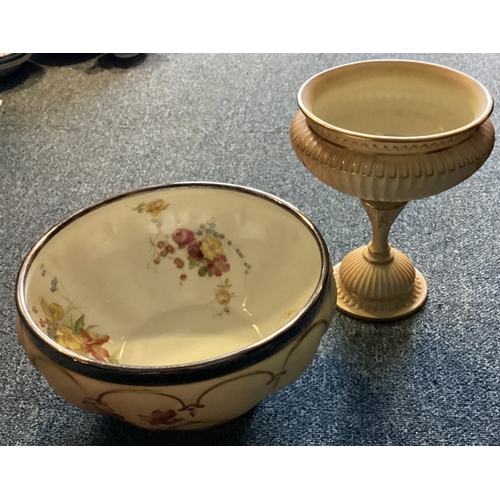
(9, 62)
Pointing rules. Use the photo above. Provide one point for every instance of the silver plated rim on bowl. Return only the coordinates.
(181, 373)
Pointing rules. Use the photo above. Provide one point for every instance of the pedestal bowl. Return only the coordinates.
(388, 132)
(178, 306)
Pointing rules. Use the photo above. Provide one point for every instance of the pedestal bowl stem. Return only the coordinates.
(377, 281)
(381, 215)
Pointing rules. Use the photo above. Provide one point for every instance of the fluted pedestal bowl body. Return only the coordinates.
(388, 132)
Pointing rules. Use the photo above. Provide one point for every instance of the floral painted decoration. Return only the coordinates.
(66, 324)
(160, 418)
(95, 406)
(203, 249)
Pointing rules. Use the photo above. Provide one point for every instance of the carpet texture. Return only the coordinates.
(77, 129)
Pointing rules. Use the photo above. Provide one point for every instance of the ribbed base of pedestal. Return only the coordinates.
(381, 310)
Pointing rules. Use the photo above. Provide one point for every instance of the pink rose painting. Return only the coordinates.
(204, 250)
(183, 237)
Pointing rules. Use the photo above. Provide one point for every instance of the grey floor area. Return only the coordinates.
(77, 129)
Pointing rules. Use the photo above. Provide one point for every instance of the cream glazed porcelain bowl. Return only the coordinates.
(178, 306)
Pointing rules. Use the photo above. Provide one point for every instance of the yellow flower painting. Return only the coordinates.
(66, 323)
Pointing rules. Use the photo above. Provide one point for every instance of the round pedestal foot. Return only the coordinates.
(386, 309)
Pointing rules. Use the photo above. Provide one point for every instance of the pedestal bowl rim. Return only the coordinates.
(483, 116)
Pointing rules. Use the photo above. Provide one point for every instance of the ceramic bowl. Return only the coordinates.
(178, 306)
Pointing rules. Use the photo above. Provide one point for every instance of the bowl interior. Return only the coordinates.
(172, 276)
(395, 98)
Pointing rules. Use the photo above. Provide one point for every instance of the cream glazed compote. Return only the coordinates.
(388, 132)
